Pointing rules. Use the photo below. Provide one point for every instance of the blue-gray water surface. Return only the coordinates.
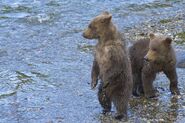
(45, 63)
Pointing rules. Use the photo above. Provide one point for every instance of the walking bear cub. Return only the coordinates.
(148, 57)
(111, 65)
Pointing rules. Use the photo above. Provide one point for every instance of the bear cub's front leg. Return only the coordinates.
(94, 74)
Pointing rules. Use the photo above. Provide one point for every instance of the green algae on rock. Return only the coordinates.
(164, 21)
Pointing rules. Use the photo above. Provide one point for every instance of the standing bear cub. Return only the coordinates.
(111, 65)
(148, 57)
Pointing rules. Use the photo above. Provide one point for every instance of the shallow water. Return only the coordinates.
(45, 62)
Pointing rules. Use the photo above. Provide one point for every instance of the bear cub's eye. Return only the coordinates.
(90, 26)
(154, 49)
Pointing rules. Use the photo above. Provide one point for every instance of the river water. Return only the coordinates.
(45, 63)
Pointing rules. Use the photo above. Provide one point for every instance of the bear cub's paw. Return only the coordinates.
(152, 94)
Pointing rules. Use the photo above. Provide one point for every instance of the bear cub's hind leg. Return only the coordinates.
(137, 86)
(104, 100)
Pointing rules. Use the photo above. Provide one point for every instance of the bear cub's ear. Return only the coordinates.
(168, 41)
(151, 36)
(106, 13)
(106, 17)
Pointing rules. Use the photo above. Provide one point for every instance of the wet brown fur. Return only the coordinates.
(111, 65)
(159, 57)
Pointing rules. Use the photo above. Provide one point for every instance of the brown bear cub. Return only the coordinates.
(111, 65)
(148, 57)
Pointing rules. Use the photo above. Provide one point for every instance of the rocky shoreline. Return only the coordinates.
(173, 27)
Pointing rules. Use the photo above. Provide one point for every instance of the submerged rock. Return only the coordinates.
(3, 53)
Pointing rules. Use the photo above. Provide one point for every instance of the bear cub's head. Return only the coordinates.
(97, 26)
(159, 48)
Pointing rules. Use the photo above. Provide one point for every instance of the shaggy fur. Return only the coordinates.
(111, 65)
(148, 57)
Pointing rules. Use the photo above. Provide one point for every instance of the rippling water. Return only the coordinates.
(45, 63)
